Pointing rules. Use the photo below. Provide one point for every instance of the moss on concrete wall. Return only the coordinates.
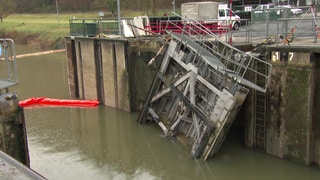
(293, 103)
(315, 135)
(13, 137)
(274, 125)
(289, 101)
(141, 75)
(296, 111)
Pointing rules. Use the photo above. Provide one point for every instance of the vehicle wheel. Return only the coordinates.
(236, 26)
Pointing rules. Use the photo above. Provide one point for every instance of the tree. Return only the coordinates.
(111, 6)
(6, 8)
(98, 4)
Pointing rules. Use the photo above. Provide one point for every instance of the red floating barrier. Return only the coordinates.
(58, 102)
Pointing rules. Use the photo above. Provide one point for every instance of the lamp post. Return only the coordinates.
(57, 7)
(119, 17)
(230, 21)
(174, 5)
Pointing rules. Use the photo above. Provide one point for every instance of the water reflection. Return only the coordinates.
(104, 143)
(86, 142)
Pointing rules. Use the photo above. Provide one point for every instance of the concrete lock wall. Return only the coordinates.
(287, 133)
(292, 124)
(13, 137)
(86, 69)
(315, 124)
(115, 75)
(110, 70)
(141, 75)
(97, 70)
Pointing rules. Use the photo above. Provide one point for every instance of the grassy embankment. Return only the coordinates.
(45, 30)
(48, 30)
(23, 27)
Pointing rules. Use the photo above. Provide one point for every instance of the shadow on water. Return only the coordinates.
(104, 143)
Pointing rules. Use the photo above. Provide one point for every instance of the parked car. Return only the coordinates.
(263, 7)
(294, 11)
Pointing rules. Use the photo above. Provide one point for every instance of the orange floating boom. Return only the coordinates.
(58, 102)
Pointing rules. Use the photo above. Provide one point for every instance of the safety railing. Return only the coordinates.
(240, 67)
(8, 67)
(93, 27)
(302, 31)
(152, 25)
(279, 23)
(160, 25)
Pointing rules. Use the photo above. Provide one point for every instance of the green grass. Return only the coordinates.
(50, 27)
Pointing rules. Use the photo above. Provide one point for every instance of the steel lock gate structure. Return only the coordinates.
(200, 87)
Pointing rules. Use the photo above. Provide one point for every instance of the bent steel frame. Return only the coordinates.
(199, 88)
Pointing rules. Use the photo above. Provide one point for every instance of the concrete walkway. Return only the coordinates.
(12, 169)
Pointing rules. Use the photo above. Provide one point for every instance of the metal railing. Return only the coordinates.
(302, 31)
(224, 59)
(155, 25)
(278, 27)
(93, 27)
(219, 27)
(8, 67)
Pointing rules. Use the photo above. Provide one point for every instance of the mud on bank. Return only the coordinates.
(34, 40)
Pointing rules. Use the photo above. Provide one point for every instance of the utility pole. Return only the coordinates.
(174, 6)
(57, 7)
(230, 21)
(119, 17)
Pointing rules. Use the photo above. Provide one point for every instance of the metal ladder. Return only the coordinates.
(260, 113)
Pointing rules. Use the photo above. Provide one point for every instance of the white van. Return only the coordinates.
(211, 12)
(224, 19)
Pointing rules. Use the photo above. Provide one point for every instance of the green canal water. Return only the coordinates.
(104, 143)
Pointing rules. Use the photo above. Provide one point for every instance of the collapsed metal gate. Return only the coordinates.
(199, 87)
